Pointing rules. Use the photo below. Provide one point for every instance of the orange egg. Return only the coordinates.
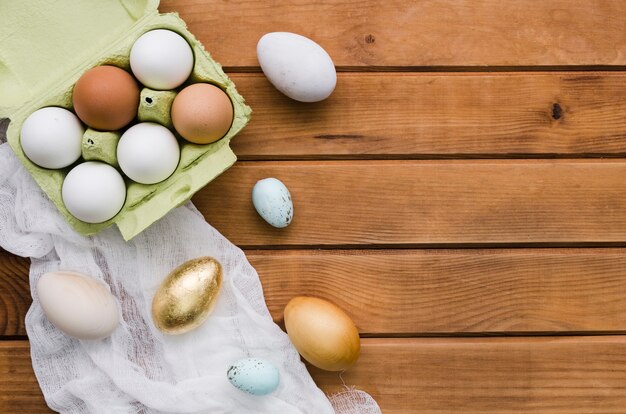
(322, 333)
(202, 113)
(106, 98)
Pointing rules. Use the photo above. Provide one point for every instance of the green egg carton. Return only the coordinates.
(48, 45)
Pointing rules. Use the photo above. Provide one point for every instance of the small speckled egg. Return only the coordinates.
(272, 201)
(255, 376)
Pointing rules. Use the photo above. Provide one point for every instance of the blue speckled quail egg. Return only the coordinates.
(255, 376)
(273, 202)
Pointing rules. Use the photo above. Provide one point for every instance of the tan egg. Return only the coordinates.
(106, 98)
(202, 113)
(322, 333)
(187, 296)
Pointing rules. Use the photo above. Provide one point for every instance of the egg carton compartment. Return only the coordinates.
(100, 146)
(199, 164)
(155, 106)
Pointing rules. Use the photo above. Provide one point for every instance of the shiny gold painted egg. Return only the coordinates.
(187, 296)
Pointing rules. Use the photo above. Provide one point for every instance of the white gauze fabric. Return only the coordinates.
(139, 369)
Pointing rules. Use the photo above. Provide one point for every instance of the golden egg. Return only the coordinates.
(322, 333)
(187, 296)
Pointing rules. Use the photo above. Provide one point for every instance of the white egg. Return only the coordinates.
(297, 66)
(161, 59)
(148, 153)
(78, 305)
(272, 201)
(51, 137)
(93, 192)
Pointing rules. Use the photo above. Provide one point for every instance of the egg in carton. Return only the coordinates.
(48, 46)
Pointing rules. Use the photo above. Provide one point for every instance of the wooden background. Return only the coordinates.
(462, 195)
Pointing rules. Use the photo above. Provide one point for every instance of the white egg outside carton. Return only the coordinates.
(78, 305)
(297, 66)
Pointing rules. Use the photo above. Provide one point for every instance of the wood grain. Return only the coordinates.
(426, 115)
(455, 79)
(19, 390)
(14, 294)
(426, 203)
(425, 33)
(493, 375)
(496, 375)
(425, 292)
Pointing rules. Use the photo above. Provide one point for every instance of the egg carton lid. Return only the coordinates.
(39, 48)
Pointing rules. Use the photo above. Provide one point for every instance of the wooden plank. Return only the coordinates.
(506, 375)
(425, 33)
(412, 115)
(425, 292)
(492, 375)
(19, 390)
(426, 203)
(14, 294)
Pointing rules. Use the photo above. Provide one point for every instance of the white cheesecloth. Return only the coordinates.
(138, 369)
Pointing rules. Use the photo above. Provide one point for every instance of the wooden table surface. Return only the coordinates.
(462, 195)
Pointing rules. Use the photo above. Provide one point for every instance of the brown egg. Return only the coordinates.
(322, 333)
(202, 113)
(106, 98)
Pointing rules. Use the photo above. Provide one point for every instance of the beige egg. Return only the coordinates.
(202, 113)
(78, 305)
(187, 296)
(322, 333)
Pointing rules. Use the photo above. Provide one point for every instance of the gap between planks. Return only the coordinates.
(452, 69)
